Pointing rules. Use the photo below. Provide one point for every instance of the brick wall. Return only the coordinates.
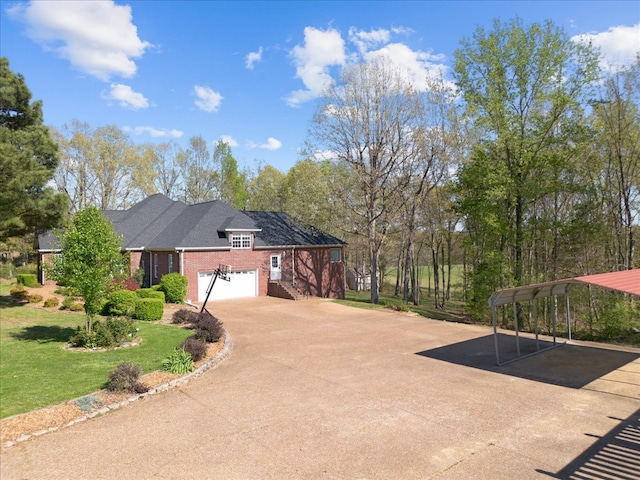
(316, 275)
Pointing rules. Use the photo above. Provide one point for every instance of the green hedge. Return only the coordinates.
(121, 303)
(148, 309)
(27, 279)
(150, 293)
(174, 286)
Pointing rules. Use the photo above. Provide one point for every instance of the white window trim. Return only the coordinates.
(331, 255)
(241, 240)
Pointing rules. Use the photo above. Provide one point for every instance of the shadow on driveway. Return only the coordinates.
(568, 365)
(614, 456)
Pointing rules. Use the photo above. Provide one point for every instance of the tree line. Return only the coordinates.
(524, 168)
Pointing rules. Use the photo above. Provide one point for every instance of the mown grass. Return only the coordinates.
(453, 311)
(36, 370)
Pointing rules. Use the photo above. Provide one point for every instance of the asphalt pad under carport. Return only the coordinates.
(313, 389)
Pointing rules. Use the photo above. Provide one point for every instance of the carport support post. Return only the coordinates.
(515, 323)
(566, 296)
(495, 333)
(554, 316)
(535, 319)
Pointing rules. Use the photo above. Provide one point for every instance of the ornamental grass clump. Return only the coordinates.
(179, 362)
(19, 292)
(51, 302)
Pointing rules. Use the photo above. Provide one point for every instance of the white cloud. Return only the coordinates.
(417, 66)
(321, 50)
(208, 99)
(96, 37)
(367, 40)
(618, 46)
(154, 132)
(229, 140)
(253, 57)
(272, 144)
(126, 97)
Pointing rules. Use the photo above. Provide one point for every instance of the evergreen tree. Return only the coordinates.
(28, 160)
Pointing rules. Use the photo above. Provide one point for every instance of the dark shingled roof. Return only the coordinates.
(198, 225)
(280, 230)
(159, 223)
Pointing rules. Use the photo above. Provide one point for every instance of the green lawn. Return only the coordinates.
(35, 369)
(454, 308)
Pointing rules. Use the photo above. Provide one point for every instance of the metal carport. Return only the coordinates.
(627, 281)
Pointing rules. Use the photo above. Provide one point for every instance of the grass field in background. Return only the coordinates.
(35, 369)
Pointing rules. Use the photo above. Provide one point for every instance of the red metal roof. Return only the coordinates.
(625, 281)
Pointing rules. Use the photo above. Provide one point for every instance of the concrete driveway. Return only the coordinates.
(316, 390)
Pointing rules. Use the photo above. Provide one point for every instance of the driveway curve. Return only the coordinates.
(317, 390)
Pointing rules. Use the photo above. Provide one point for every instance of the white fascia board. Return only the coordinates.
(242, 230)
(276, 247)
(198, 249)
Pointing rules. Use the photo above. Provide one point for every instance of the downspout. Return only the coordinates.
(181, 260)
(293, 266)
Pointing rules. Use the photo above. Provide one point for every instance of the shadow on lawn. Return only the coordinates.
(45, 333)
(7, 301)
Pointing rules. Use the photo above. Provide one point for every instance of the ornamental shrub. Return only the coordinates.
(179, 362)
(83, 339)
(150, 293)
(208, 327)
(129, 284)
(184, 315)
(76, 307)
(125, 379)
(51, 302)
(121, 303)
(174, 286)
(67, 303)
(35, 298)
(139, 276)
(149, 309)
(195, 347)
(19, 292)
(105, 334)
(27, 279)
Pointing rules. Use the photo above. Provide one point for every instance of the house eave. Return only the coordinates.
(272, 247)
(242, 230)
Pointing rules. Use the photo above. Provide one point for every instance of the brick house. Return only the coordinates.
(269, 252)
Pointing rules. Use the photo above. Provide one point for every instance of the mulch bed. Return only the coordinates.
(54, 417)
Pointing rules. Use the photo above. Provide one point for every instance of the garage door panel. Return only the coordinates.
(242, 283)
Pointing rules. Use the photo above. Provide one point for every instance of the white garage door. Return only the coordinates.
(242, 284)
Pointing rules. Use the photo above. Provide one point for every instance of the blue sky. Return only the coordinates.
(250, 72)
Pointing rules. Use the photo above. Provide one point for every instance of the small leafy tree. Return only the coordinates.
(90, 259)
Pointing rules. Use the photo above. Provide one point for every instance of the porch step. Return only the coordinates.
(282, 289)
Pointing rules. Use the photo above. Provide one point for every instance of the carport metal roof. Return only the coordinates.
(627, 281)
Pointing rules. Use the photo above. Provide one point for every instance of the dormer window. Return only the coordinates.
(240, 240)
